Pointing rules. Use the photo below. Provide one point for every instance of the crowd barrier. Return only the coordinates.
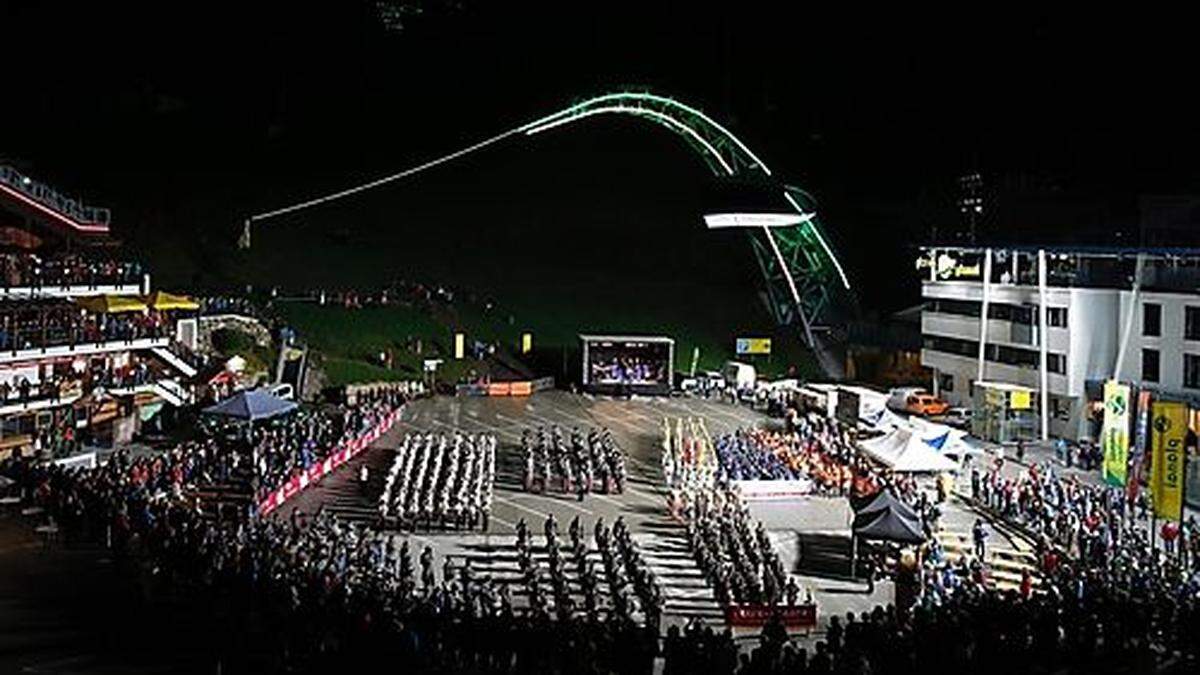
(518, 388)
(410, 387)
(794, 617)
(87, 460)
(316, 472)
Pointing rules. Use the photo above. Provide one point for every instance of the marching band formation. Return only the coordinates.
(738, 560)
(580, 464)
(730, 547)
(632, 587)
(442, 480)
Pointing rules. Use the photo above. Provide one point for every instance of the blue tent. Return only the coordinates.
(251, 405)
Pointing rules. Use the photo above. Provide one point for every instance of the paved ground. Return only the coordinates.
(636, 426)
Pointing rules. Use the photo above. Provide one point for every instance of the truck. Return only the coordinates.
(739, 375)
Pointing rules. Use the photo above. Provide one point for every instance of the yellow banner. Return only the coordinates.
(1021, 400)
(1166, 479)
(1114, 437)
(754, 345)
(460, 345)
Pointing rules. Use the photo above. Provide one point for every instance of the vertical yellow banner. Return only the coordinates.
(460, 345)
(526, 343)
(1114, 439)
(1166, 479)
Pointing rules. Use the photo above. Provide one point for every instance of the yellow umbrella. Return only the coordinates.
(111, 304)
(162, 300)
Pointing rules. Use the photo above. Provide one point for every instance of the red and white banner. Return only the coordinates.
(794, 617)
(305, 477)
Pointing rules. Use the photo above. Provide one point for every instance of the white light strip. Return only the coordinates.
(828, 251)
(721, 220)
(640, 112)
(386, 179)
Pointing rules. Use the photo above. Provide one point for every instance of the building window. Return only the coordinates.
(1151, 319)
(1056, 363)
(1191, 323)
(949, 345)
(1150, 365)
(1191, 371)
(1056, 317)
(1060, 408)
(946, 382)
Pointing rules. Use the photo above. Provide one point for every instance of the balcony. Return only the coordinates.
(967, 366)
(82, 348)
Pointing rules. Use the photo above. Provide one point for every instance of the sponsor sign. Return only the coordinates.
(796, 617)
(753, 346)
(1114, 434)
(1021, 399)
(1166, 481)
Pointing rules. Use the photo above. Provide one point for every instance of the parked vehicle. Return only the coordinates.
(958, 417)
(916, 401)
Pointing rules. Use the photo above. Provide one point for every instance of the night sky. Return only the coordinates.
(184, 118)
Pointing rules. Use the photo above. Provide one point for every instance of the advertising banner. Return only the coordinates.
(794, 617)
(1114, 435)
(1166, 482)
(753, 345)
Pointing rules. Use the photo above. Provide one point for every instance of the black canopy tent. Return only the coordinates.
(888, 525)
(883, 518)
(884, 500)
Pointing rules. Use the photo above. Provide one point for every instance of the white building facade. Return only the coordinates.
(1087, 304)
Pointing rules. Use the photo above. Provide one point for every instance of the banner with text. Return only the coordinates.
(1115, 433)
(1166, 478)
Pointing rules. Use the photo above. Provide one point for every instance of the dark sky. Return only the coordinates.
(186, 116)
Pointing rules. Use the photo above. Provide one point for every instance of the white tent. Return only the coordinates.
(906, 450)
(884, 420)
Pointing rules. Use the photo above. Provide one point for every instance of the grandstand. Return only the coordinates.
(86, 354)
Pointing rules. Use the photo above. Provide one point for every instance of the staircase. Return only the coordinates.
(176, 361)
(172, 392)
(1005, 564)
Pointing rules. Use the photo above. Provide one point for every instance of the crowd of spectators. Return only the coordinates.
(25, 327)
(266, 454)
(30, 270)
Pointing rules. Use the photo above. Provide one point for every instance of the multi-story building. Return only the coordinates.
(86, 352)
(1061, 322)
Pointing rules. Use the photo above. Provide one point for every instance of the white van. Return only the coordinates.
(739, 375)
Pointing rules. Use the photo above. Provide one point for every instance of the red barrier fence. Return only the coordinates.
(314, 473)
(794, 617)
